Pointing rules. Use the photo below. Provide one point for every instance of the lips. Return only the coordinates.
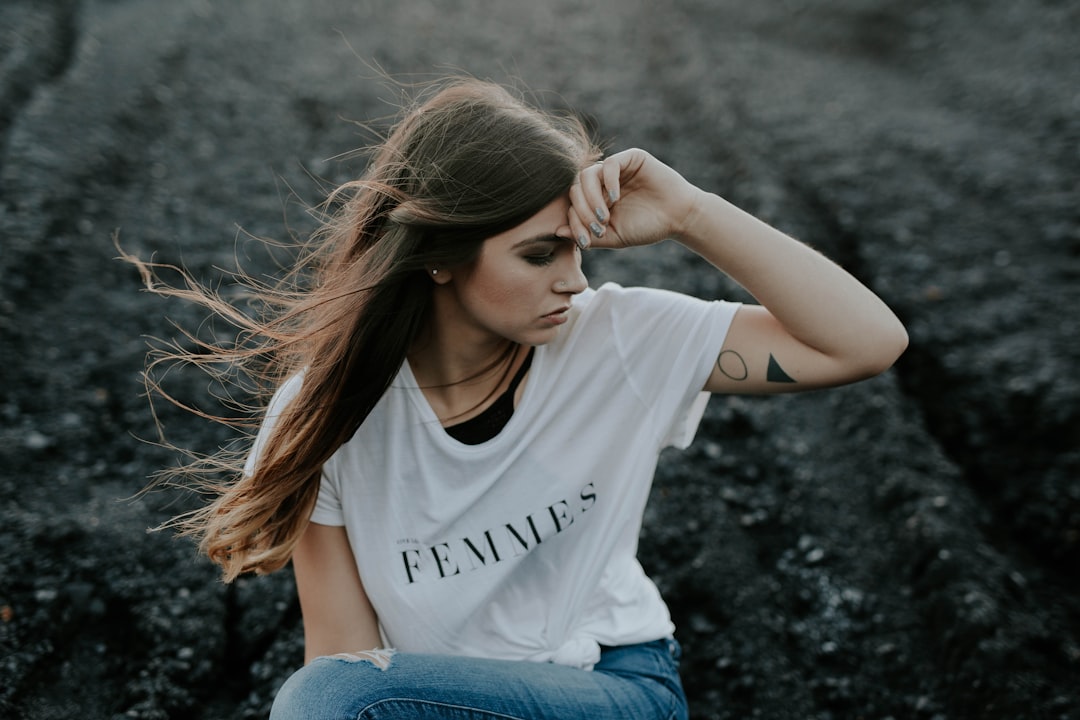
(558, 316)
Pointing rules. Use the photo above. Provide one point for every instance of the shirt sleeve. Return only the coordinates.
(668, 343)
(327, 507)
(284, 395)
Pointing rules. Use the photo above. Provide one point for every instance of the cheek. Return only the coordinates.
(506, 287)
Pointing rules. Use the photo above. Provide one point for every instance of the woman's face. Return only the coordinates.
(520, 286)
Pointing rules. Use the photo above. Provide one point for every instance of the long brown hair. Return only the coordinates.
(467, 160)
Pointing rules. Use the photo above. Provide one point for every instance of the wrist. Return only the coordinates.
(694, 227)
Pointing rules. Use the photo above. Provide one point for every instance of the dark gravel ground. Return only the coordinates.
(906, 548)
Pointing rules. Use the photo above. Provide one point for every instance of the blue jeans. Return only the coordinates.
(631, 682)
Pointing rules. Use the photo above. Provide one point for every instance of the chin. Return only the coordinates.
(542, 337)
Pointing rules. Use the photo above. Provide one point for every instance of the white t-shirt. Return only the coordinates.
(524, 547)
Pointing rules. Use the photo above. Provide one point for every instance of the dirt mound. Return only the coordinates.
(906, 547)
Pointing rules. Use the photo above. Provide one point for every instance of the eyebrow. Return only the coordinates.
(544, 238)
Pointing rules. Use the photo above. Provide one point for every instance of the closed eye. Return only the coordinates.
(540, 260)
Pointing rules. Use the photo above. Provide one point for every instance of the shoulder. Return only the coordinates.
(282, 397)
(643, 303)
(609, 296)
(286, 392)
(607, 317)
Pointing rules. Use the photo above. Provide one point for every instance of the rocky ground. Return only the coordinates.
(906, 547)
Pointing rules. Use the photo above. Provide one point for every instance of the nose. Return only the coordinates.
(571, 279)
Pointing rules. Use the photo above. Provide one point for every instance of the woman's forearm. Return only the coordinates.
(818, 302)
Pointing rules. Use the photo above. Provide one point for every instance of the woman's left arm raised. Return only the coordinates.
(816, 325)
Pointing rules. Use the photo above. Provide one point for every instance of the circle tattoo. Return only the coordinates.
(732, 365)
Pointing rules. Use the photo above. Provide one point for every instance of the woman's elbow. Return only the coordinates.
(886, 347)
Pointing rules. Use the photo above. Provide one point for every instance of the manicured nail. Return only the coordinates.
(596, 229)
(612, 197)
(583, 241)
(600, 214)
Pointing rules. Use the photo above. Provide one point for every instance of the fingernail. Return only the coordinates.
(600, 214)
(612, 197)
(583, 241)
(596, 229)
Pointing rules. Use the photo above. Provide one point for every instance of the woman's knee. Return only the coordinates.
(301, 695)
(333, 687)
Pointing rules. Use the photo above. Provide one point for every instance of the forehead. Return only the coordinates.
(542, 225)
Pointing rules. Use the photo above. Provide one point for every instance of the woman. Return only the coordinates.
(458, 459)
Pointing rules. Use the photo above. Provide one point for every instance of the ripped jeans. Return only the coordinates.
(630, 682)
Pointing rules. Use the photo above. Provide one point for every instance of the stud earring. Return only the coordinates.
(435, 271)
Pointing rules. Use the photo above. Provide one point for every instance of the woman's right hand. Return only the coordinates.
(630, 199)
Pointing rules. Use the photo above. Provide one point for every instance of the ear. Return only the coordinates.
(439, 275)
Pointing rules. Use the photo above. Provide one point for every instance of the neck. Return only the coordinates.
(451, 348)
(457, 384)
(440, 362)
(460, 367)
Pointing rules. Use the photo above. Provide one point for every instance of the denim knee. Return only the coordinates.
(635, 681)
(320, 691)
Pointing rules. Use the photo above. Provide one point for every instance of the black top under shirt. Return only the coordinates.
(489, 423)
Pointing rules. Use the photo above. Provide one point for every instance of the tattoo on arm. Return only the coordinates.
(776, 373)
(732, 365)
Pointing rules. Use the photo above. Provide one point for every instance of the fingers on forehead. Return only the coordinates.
(589, 193)
(609, 171)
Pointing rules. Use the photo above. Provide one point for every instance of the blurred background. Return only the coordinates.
(906, 547)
